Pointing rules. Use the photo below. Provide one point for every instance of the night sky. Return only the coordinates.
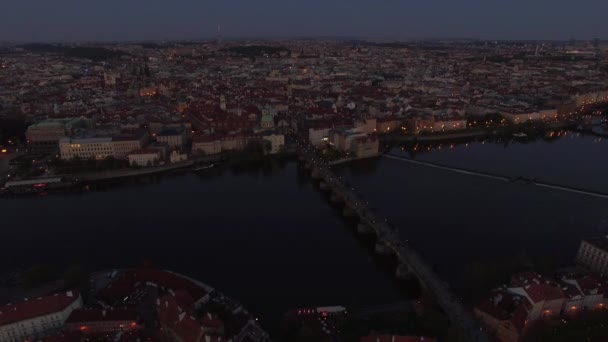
(74, 20)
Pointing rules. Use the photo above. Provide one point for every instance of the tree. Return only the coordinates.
(75, 277)
(38, 275)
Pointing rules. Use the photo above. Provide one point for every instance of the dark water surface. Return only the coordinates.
(266, 237)
(455, 220)
(270, 239)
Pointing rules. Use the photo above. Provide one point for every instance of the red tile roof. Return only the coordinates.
(36, 307)
(506, 306)
(96, 315)
(540, 292)
(130, 279)
(571, 291)
(177, 318)
(211, 321)
(589, 284)
(537, 287)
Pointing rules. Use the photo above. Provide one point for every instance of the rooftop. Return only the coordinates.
(599, 242)
(36, 307)
(93, 315)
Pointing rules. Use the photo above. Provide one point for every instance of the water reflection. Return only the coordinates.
(462, 223)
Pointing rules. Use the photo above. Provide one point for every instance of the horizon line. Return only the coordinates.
(293, 37)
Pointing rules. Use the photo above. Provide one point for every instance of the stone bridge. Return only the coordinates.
(389, 242)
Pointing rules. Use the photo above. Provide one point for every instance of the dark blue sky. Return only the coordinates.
(69, 20)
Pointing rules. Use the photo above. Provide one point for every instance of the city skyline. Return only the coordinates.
(347, 170)
(69, 21)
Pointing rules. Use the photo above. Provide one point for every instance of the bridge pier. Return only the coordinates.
(324, 186)
(382, 248)
(335, 198)
(362, 228)
(388, 244)
(403, 272)
(348, 212)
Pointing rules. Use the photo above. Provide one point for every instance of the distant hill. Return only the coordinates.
(43, 47)
(94, 53)
(257, 50)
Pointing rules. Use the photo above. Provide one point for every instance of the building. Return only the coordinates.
(37, 317)
(342, 139)
(507, 311)
(318, 134)
(109, 78)
(86, 148)
(443, 124)
(44, 136)
(267, 122)
(365, 147)
(124, 144)
(206, 144)
(574, 299)
(388, 124)
(157, 127)
(593, 254)
(504, 314)
(521, 116)
(93, 321)
(420, 123)
(174, 137)
(175, 311)
(591, 289)
(234, 142)
(367, 125)
(147, 91)
(321, 323)
(547, 297)
(144, 157)
(176, 157)
(277, 142)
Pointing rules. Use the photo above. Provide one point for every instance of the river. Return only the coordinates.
(266, 237)
(457, 220)
(269, 238)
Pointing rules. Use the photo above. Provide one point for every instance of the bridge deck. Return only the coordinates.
(389, 235)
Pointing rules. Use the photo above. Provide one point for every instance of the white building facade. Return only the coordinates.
(277, 142)
(87, 148)
(37, 317)
(146, 157)
(593, 254)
